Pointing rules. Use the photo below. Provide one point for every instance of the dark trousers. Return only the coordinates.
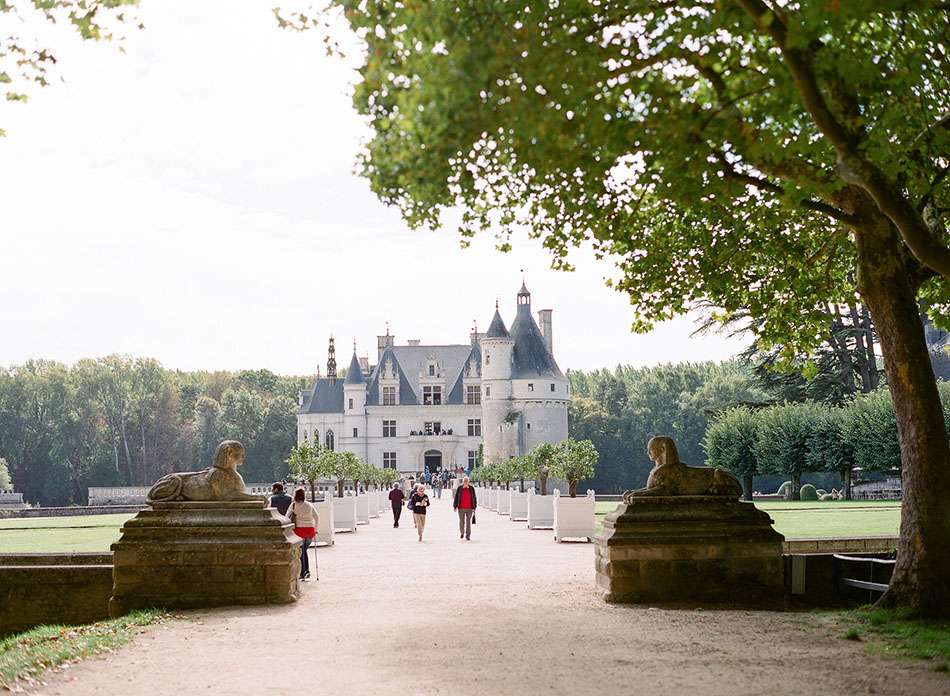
(304, 557)
(397, 511)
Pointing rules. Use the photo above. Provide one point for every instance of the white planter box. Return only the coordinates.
(382, 499)
(492, 499)
(574, 518)
(519, 506)
(344, 514)
(540, 511)
(504, 502)
(362, 509)
(373, 498)
(325, 522)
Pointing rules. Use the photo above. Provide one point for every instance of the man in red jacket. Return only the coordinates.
(396, 496)
(465, 503)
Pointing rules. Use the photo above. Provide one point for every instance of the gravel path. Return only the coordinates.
(509, 613)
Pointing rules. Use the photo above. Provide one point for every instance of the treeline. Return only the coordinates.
(790, 439)
(620, 410)
(127, 421)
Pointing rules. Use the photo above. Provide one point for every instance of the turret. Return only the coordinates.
(354, 408)
(496, 346)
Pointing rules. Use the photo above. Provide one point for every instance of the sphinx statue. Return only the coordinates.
(219, 482)
(671, 477)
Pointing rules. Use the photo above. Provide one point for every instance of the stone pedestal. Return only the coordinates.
(190, 555)
(706, 549)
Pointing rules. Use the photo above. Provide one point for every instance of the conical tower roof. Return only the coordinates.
(354, 373)
(497, 328)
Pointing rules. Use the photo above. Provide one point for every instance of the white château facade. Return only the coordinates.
(433, 406)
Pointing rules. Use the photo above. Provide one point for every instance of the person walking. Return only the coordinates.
(419, 501)
(465, 503)
(279, 499)
(437, 486)
(396, 496)
(305, 519)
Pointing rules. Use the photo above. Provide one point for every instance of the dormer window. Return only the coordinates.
(432, 396)
(431, 370)
(530, 387)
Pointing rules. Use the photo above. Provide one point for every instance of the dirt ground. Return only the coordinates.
(509, 613)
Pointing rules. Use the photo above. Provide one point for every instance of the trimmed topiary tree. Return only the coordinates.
(781, 445)
(576, 460)
(730, 444)
(808, 492)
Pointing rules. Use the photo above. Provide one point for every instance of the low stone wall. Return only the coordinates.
(867, 544)
(69, 511)
(37, 589)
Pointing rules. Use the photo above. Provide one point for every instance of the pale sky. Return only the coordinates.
(193, 200)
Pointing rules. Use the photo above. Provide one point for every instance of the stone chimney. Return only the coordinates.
(414, 341)
(544, 322)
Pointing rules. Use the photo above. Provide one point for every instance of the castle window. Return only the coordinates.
(473, 394)
(488, 358)
(389, 428)
(356, 432)
(530, 386)
(306, 438)
(431, 370)
(389, 460)
(330, 444)
(433, 428)
(316, 437)
(432, 396)
(389, 396)
(350, 404)
(487, 390)
(552, 386)
(474, 427)
(529, 426)
(472, 459)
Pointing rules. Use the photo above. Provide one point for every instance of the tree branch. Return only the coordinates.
(852, 166)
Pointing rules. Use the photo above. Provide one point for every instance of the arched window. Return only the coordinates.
(316, 437)
(306, 438)
(329, 441)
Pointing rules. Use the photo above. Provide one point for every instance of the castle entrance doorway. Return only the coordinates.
(433, 461)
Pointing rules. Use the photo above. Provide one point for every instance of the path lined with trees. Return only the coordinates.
(508, 613)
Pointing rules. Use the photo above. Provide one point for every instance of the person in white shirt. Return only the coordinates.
(305, 518)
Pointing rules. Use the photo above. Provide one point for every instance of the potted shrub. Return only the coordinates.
(541, 506)
(505, 473)
(522, 468)
(345, 467)
(363, 475)
(387, 477)
(574, 517)
(310, 463)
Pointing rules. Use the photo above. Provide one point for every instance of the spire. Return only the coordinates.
(331, 360)
(497, 328)
(354, 373)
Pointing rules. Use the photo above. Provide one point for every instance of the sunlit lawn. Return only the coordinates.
(796, 519)
(80, 533)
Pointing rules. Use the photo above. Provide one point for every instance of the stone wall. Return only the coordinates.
(37, 589)
(69, 511)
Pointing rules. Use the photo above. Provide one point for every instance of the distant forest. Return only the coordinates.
(127, 421)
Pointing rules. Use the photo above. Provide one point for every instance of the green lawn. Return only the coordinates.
(80, 533)
(796, 519)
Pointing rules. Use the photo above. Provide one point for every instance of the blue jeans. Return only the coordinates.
(304, 557)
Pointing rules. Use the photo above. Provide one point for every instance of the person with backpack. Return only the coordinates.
(304, 517)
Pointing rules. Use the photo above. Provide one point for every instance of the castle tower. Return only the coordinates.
(354, 408)
(499, 435)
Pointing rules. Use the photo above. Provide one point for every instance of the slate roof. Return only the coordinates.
(325, 397)
(497, 327)
(354, 373)
(411, 361)
(530, 355)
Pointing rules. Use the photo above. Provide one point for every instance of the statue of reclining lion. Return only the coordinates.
(670, 476)
(220, 482)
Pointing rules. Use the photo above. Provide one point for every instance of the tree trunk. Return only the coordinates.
(572, 488)
(861, 352)
(921, 578)
(339, 488)
(522, 485)
(747, 487)
(313, 492)
(846, 482)
(869, 337)
(543, 483)
(796, 488)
